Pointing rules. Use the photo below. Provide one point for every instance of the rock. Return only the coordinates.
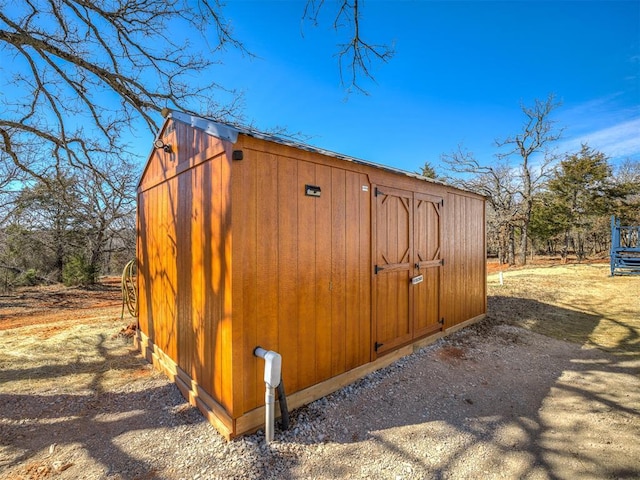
(59, 466)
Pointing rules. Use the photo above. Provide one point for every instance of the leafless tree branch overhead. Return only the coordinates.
(77, 73)
(356, 56)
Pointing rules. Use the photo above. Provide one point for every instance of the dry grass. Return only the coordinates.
(579, 303)
(77, 400)
(59, 340)
(73, 351)
(69, 359)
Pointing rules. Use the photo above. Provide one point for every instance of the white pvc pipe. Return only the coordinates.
(272, 377)
(269, 413)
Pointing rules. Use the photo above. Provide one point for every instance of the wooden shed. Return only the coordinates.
(339, 265)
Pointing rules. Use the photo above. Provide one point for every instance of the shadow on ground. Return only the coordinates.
(491, 401)
(87, 423)
(495, 400)
(562, 323)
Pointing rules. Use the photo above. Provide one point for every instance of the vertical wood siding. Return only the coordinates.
(233, 254)
(428, 259)
(464, 289)
(183, 258)
(393, 259)
(301, 268)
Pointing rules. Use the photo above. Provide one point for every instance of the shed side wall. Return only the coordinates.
(184, 257)
(464, 287)
(301, 267)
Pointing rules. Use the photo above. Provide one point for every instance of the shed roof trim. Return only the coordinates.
(219, 130)
(230, 133)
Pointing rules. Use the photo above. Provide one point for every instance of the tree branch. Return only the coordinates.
(356, 56)
(69, 59)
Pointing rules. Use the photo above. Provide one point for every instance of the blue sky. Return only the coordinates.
(459, 75)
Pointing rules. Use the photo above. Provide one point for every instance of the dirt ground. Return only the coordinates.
(548, 386)
(51, 304)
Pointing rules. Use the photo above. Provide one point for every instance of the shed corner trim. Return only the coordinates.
(215, 129)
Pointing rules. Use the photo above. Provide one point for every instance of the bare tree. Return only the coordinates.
(70, 222)
(532, 148)
(41, 231)
(78, 73)
(80, 77)
(105, 206)
(11, 178)
(356, 56)
(497, 183)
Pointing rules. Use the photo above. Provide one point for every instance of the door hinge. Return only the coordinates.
(378, 192)
(376, 346)
(377, 269)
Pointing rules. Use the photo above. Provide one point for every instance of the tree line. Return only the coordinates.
(82, 78)
(77, 224)
(545, 202)
(69, 227)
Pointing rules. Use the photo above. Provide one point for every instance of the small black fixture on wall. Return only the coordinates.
(312, 190)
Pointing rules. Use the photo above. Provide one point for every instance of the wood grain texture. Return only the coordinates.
(183, 240)
(464, 286)
(428, 260)
(234, 255)
(307, 279)
(265, 269)
(357, 315)
(245, 276)
(287, 280)
(324, 264)
(394, 261)
(323, 327)
(341, 216)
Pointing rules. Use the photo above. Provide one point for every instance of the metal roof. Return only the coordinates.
(230, 132)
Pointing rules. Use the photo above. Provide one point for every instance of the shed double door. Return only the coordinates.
(407, 266)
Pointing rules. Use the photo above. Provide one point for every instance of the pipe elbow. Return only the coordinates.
(272, 366)
(272, 378)
(272, 369)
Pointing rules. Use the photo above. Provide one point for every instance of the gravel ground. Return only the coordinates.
(491, 401)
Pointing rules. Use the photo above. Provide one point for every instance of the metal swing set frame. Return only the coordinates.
(625, 248)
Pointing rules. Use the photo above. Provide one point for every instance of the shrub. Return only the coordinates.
(28, 278)
(77, 271)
